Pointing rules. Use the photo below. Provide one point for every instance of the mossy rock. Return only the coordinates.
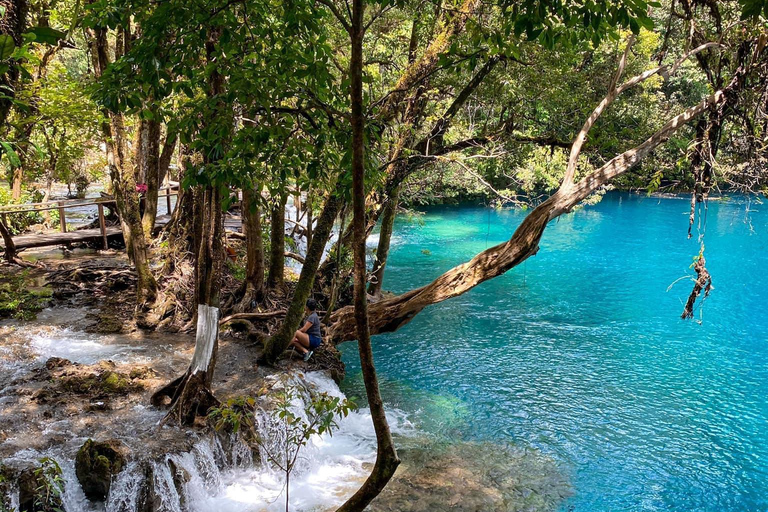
(96, 464)
(105, 383)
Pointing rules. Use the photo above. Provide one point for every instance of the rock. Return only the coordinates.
(57, 362)
(96, 465)
(141, 372)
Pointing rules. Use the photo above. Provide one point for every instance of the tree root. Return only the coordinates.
(703, 282)
(190, 398)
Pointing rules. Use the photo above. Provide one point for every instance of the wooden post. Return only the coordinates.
(103, 226)
(168, 199)
(62, 218)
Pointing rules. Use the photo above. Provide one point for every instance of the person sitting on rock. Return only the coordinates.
(307, 339)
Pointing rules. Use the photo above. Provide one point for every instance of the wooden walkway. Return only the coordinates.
(231, 223)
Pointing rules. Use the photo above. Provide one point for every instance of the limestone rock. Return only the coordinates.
(96, 464)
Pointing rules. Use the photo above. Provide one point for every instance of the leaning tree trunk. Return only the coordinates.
(11, 255)
(391, 314)
(277, 243)
(277, 344)
(386, 455)
(254, 271)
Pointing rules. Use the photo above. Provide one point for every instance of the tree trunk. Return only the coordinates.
(167, 154)
(389, 315)
(254, 273)
(151, 162)
(277, 243)
(191, 394)
(386, 455)
(18, 178)
(277, 344)
(123, 179)
(11, 255)
(385, 236)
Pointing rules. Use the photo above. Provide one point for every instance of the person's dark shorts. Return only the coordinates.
(314, 342)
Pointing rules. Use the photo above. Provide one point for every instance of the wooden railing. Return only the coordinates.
(62, 206)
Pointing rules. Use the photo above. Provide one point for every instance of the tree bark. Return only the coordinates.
(277, 344)
(277, 243)
(122, 177)
(254, 272)
(386, 455)
(150, 161)
(385, 237)
(391, 314)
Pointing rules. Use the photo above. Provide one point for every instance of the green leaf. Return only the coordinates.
(7, 46)
(47, 35)
(13, 157)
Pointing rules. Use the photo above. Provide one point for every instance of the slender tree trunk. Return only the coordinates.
(386, 455)
(277, 344)
(190, 395)
(254, 273)
(385, 237)
(167, 154)
(151, 164)
(123, 178)
(277, 243)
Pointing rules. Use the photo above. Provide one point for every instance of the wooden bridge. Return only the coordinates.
(65, 236)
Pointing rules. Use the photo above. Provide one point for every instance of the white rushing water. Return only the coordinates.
(212, 478)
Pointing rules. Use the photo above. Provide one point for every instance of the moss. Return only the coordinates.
(105, 383)
(18, 300)
(96, 464)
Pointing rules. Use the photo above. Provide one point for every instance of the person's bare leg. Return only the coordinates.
(303, 339)
(298, 346)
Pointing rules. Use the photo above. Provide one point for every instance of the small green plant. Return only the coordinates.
(321, 414)
(236, 269)
(233, 414)
(50, 486)
(16, 301)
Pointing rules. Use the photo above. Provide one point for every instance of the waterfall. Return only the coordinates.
(221, 472)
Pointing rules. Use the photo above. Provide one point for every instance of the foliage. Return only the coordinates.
(297, 427)
(233, 414)
(17, 301)
(20, 222)
(50, 485)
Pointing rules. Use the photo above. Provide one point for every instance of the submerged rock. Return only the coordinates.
(474, 477)
(96, 464)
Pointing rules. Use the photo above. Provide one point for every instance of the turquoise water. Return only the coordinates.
(580, 352)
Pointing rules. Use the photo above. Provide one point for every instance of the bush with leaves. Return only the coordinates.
(17, 301)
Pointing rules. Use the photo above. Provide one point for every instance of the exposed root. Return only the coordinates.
(190, 398)
(703, 282)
